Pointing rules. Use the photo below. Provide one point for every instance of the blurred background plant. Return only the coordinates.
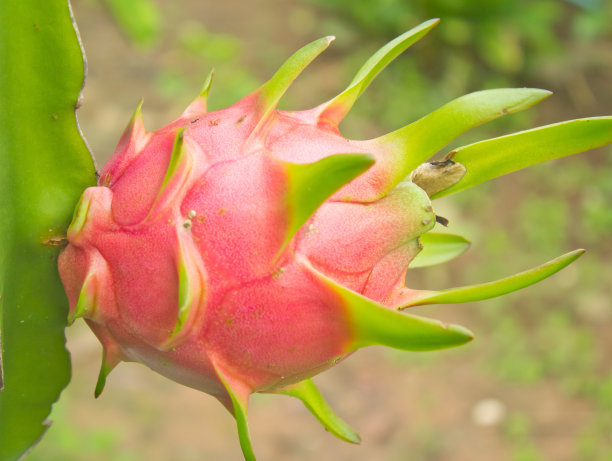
(483, 44)
(543, 352)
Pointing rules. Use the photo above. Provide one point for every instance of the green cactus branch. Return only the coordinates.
(41, 79)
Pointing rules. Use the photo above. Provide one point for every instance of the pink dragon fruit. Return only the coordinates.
(248, 249)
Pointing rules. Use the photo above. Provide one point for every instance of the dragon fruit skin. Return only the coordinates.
(263, 314)
(247, 249)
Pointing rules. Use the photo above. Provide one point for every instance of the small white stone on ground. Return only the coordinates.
(488, 412)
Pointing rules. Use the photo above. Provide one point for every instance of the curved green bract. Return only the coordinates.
(44, 167)
(498, 287)
(240, 413)
(206, 87)
(311, 184)
(185, 295)
(312, 399)
(239, 400)
(374, 324)
(438, 249)
(498, 156)
(177, 157)
(416, 143)
(336, 109)
(271, 91)
(105, 368)
(86, 301)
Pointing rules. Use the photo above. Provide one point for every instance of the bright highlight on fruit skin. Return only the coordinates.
(248, 249)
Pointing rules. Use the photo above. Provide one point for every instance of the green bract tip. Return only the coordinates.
(312, 399)
(311, 184)
(497, 288)
(495, 157)
(335, 110)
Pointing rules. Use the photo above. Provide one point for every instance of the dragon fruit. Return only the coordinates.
(247, 249)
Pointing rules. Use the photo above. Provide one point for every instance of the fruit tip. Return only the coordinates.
(367, 160)
(430, 23)
(137, 112)
(207, 83)
(465, 335)
(353, 437)
(100, 384)
(71, 318)
(569, 257)
(542, 92)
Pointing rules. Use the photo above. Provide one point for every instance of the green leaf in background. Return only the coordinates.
(439, 248)
(498, 156)
(44, 167)
(140, 20)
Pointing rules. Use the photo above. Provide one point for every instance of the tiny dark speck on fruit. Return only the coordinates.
(241, 119)
(54, 117)
(214, 122)
(195, 120)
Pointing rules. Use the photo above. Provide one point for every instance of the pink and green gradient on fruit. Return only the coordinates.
(247, 249)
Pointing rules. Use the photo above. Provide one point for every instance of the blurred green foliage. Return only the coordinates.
(140, 20)
(518, 430)
(65, 440)
(194, 42)
(480, 44)
(500, 36)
